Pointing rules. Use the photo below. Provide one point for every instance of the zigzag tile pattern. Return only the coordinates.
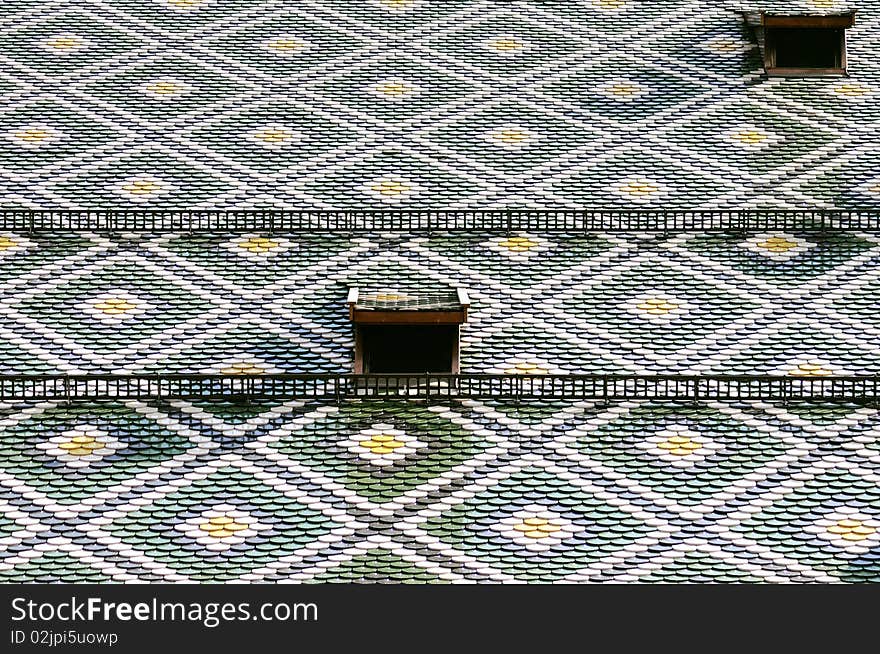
(464, 492)
(763, 303)
(425, 104)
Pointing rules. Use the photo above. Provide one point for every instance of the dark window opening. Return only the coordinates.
(807, 47)
(393, 349)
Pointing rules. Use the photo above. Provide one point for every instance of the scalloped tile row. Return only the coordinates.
(763, 303)
(464, 492)
(418, 103)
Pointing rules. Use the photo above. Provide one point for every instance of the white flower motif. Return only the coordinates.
(778, 246)
(34, 135)
(81, 446)
(848, 528)
(221, 527)
(680, 446)
(536, 528)
(382, 444)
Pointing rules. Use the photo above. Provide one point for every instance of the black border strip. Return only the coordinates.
(514, 387)
(551, 220)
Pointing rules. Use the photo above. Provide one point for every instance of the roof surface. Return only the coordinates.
(385, 104)
(762, 303)
(405, 491)
(411, 103)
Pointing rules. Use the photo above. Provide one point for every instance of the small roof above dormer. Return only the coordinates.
(383, 305)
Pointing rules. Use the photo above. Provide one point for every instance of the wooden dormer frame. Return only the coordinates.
(839, 23)
(359, 317)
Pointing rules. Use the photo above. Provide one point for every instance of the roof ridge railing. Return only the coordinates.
(15, 388)
(429, 220)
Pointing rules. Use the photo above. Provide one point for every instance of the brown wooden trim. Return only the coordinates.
(372, 317)
(838, 21)
(456, 368)
(805, 72)
(358, 368)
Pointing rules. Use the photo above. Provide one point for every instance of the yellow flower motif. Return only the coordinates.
(164, 88)
(609, 4)
(222, 526)
(113, 306)
(777, 244)
(679, 445)
(511, 136)
(518, 244)
(537, 527)
(824, 4)
(242, 368)
(749, 136)
(381, 444)
(258, 245)
(854, 530)
(6, 243)
(81, 445)
(874, 189)
(273, 135)
(391, 188)
(639, 189)
(32, 135)
(286, 45)
(809, 370)
(385, 297)
(64, 43)
(142, 187)
(393, 89)
(526, 369)
(852, 90)
(624, 89)
(185, 4)
(396, 5)
(725, 45)
(506, 44)
(657, 306)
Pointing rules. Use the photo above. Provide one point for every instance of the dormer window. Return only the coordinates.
(407, 332)
(805, 46)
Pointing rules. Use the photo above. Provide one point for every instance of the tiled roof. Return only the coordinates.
(761, 303)
(417, 103)
(393, 104)
(407, 491)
